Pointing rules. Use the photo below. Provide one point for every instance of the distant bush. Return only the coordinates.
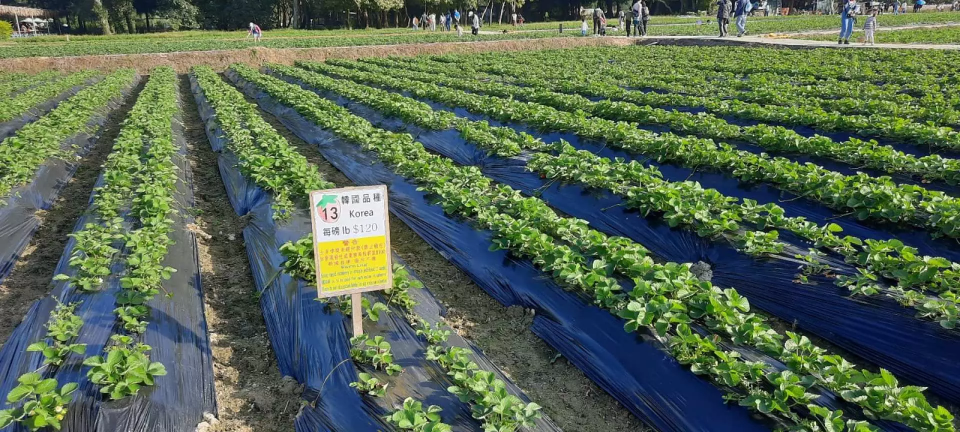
(6, 30)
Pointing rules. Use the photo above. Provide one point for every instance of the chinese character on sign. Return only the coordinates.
(326, 232)
(345, 199)
(335, 230)
(366, 198)
(376, 197)
(355, 199)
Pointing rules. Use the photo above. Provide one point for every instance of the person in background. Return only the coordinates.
(416, 23)
(740, 12)
(645, 19)
(632, 18)
(583, 26)
(896, 7)
(520, 20)
(475, 28)
(603, 24)
(621, 17)
(449, 20)
(456, 15)
(764, 8)
(723, 15)
(847, 19)
(918, 5)
(596, 21)
(869, 27)
(459, 30)
(255, 32)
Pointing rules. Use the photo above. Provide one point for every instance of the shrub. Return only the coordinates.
(6, 30)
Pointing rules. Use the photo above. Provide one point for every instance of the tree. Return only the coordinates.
(103, 16)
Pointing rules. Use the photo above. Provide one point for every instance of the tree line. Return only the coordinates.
(139, 16)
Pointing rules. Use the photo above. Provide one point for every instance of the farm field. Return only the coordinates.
(195, 41)
(234, 40)
(611, 239)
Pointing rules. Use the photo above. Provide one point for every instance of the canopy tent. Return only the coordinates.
(35, 17)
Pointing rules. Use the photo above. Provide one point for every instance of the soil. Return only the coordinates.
(183, 61)
(252, 396)
(568, 397)
(31, 277)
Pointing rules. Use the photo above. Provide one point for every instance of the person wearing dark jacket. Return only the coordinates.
(724, 7)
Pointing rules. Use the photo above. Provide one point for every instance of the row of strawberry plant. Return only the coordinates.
(842, 97)
(22, 154)
(22, 82)
(868, 120)
(626, 105)
(22, 103)
(934, 77)
(509, 142)
(264, 156)
(132, 210)
(912, 67)
(487, 394)
(829, 94)
(235, 116)
(861, 195)
(681, 203)
(120, 374)
(877, 259)
(666, 299)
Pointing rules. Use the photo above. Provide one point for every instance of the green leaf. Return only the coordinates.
(6, 418)
(46, 386)
(68, 389)
(30, 378)
(18, 393)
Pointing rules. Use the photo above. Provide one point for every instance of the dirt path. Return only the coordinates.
(571, 400)
(31, 277)
(251, 394)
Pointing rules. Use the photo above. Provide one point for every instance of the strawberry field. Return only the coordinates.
(592, 239)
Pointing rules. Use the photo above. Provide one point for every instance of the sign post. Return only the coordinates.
(351, 243)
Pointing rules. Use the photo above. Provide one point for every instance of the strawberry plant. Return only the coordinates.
(62, 328)
(125, 370)
(433, 335)
(399, 291)
(370, 385)
(411, 416)
(374, 351)
(43, 403)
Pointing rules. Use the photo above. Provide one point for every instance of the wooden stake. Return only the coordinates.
(357, 314)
